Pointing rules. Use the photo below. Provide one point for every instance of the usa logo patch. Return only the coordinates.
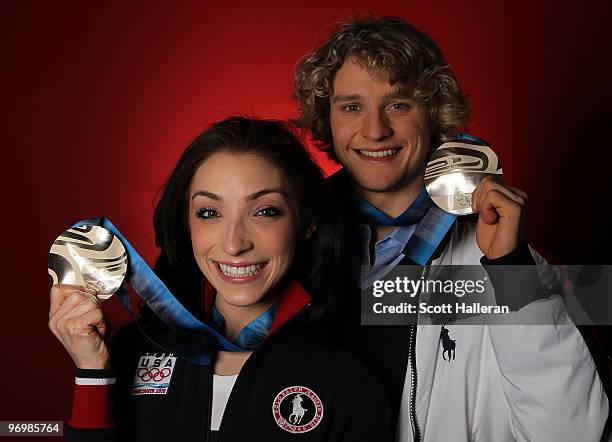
(297, 409)
(153, 374)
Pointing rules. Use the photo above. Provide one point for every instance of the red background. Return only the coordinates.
(100, 98)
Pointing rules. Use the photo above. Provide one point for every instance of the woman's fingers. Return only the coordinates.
(85, 324)
(74, 304)
(77, 320)
(63, 317)
(60, 292)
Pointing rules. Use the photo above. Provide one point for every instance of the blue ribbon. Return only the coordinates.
(373, 216)
(161, 301)
(428, 235)
(432, 222)
(254, 333)
(471, 139)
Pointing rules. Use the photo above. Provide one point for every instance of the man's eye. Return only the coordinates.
(268, 211)
(207, 213)
(399, 106)
(350, 108)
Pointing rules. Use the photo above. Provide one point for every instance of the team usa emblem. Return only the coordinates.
(297, 409)
(153, 374)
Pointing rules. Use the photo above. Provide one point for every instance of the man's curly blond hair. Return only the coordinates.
(387, 45)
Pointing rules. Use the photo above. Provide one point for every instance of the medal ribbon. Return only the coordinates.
(162, 302)
(254, 333)
(373, 216)
(432, 225)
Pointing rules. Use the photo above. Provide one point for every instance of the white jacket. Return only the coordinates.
(507, 382)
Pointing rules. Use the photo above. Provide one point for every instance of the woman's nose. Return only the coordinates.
(236, 240)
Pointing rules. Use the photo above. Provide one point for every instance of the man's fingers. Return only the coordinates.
(520, 192)
(496, 204)
(488, 185)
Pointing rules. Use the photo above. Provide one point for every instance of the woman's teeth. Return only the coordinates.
(378, 154)
(240, 271)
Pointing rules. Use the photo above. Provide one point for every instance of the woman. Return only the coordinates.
(245, 207)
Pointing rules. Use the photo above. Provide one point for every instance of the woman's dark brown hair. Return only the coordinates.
(315, 258)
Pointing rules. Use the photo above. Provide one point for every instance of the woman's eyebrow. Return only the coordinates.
(251, 197)
(207, 194)
(263, 192)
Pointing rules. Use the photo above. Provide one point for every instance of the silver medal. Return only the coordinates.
(90, 256)
(453, 172)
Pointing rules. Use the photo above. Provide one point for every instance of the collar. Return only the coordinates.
(373, 216)
(253, 334)
(292, 301)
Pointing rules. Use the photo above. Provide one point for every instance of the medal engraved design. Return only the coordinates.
(90, 256)
(453, 172)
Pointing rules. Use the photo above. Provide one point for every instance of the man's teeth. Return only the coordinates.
(240, 271)
(379, 154)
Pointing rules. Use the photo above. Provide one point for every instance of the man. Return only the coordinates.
(379, 97)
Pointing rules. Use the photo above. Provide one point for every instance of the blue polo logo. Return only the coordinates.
(448, 345)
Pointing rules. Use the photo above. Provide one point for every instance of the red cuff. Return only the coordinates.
(92, 406)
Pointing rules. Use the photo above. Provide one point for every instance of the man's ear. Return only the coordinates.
(308, 232)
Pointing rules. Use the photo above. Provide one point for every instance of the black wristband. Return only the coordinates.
(518, 287)
(519, 256)
(92, 373)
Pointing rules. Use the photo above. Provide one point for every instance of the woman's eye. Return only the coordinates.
(350, 108)
(207, 213)
(268, 211)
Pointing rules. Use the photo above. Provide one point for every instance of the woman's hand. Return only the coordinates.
(76, 319)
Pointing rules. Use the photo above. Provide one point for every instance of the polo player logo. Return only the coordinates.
(297, 409)
(448, 345)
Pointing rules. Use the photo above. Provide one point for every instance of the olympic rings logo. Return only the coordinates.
(154, 374)
(464, 199)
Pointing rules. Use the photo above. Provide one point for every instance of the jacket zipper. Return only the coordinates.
(413, 372)
(242, 375)
(413, 383)
(207, 421)
(235, 389)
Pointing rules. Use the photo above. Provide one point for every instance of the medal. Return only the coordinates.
(90, 256)
(453, 172)
(95, 254)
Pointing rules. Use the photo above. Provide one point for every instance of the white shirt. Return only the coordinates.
(222, 387)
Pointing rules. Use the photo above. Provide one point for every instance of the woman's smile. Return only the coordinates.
(240, 273)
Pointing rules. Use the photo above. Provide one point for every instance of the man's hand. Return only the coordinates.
(76, 319)
(501, 212)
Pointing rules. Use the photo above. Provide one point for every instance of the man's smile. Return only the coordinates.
(378, 154)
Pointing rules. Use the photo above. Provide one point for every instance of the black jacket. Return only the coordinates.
(384, 349)
(352, 407)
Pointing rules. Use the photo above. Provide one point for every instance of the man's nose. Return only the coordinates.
(375, 126)
(237, 239)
